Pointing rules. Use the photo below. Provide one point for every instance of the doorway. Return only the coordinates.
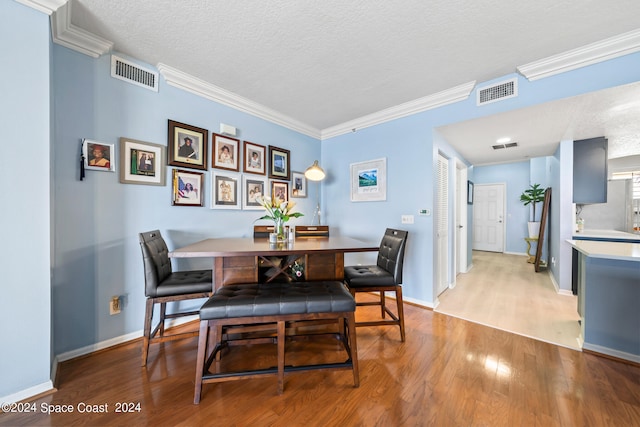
(488, 217)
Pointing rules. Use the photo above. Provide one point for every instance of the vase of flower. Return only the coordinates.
(278, 211)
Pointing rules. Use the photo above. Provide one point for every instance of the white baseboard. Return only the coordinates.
(28, 392)
(611, 352)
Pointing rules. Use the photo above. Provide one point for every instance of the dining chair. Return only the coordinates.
(311, 231)
(385, 276)
(262, 231)
(163, 285)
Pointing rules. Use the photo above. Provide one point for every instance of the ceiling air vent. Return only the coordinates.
(497, 92)
(501, 146)
(133, 73)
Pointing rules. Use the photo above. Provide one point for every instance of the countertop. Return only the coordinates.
(608, 250)
(606, 235)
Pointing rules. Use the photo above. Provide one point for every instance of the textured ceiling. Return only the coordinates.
(327, 62)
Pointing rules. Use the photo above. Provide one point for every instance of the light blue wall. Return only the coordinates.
(96, 221)
(25, 359)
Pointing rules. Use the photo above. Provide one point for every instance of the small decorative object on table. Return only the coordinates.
(279, 213)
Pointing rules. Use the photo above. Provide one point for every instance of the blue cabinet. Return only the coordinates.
(590, 170)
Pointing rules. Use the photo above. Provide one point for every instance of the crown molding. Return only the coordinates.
(184, 81)
(66, 34)
(44, 6)
(449, 96)
(601, 51)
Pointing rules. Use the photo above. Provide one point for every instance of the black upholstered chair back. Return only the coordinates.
(391, 253)
(157, 265)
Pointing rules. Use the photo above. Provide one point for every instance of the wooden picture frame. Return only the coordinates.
(280, 190)
(225, 152)
(142, 162)
(98, 156)
(255, 158)
(226, 191)
(187, 146)
(252, 187)
(187, 188)
(279, 161)
(298, 184)
(369, 181)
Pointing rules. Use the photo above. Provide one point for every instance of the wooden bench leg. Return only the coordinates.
(281, 345)
(200, 360)
(353, 347)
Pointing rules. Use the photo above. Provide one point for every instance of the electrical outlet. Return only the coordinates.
(114, 305)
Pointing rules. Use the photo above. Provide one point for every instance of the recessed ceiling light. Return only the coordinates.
(503, 140)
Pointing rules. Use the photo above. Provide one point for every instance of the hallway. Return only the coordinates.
(503, 291)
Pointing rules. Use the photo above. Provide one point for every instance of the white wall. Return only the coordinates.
(25, 322)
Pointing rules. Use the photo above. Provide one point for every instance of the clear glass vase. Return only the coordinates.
(279, 230)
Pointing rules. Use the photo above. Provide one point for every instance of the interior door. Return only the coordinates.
(442, 226)
(488, 217)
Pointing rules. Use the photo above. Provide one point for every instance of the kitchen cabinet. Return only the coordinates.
(590, 170)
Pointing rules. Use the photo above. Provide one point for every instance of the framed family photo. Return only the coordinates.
(280, 191)
(187, 146)
(98, 156)
(187, 188)
(279, 163)
(252, 189)
(254, 158)
(142, 162)
(226, 191)
(225, 152)
(369, 181)
(299, 185)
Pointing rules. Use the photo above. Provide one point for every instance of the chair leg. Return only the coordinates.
(163, 312)
(200, 360)
(353, 347)
(148, 316)
(383, 304)
(400, 311)
(281, 344)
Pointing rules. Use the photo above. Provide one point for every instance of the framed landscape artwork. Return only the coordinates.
(369, 181)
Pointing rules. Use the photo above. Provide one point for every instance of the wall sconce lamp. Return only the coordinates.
(315, 173)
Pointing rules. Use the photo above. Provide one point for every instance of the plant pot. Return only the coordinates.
(534, 229)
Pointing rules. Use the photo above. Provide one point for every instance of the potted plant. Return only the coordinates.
(531, 196)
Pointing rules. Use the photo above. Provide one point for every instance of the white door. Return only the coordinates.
(442, 226)
(488, 217)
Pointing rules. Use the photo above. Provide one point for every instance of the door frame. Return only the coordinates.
(461, 218)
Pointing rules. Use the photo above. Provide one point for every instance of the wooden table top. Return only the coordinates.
(248, 246)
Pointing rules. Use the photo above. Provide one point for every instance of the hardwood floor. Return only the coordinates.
(449, 372)
(504, 291)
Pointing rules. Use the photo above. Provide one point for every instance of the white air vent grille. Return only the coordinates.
(497, 92)
(501, 146)
(133, 73)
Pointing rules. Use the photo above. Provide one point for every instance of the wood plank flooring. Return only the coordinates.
(449, 372)
(504, 291)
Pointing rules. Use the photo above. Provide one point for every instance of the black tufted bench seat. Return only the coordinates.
(274, 303)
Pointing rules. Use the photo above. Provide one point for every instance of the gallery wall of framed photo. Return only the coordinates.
(240, 171)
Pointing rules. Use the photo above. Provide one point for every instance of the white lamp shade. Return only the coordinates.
(314, 172)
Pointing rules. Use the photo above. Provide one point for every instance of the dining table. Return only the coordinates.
(257, 260)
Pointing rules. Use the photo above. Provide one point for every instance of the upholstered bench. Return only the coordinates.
(279, 304)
